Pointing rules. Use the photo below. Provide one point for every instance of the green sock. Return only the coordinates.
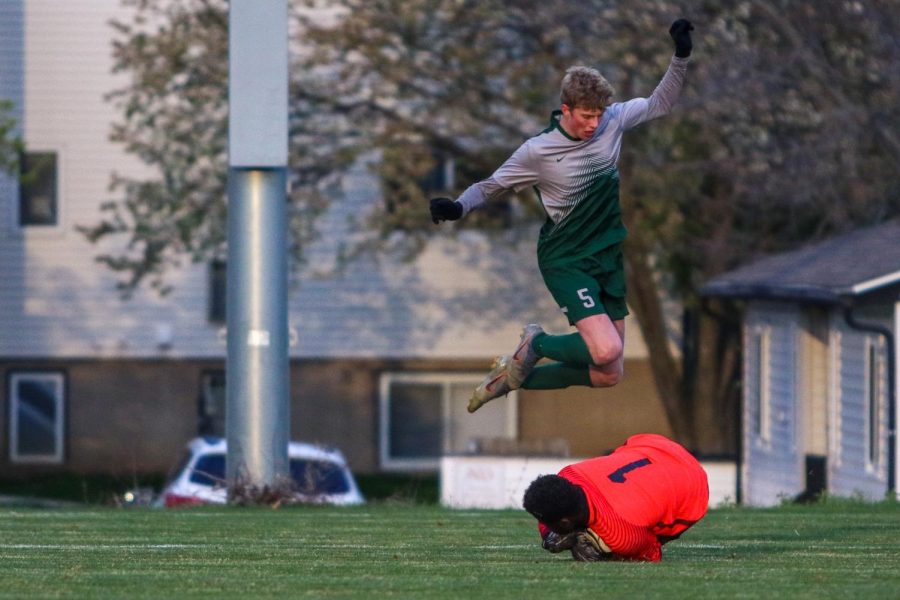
(569, 348)
(555, 376)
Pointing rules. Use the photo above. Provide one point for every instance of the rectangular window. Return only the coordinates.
(218, 280)
(38, 189)
(37, 417)
(211, 411)
(423, 417)
(873, 403)
(414, 418)
(758, 383)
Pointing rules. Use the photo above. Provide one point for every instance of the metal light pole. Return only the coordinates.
(257, 390)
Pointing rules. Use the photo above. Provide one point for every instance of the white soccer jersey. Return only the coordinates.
(577, 181)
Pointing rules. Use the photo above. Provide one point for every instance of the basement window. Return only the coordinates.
(37, 417)
(423, 417)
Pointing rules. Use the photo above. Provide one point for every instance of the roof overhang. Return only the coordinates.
(798, 293)
(758, 291)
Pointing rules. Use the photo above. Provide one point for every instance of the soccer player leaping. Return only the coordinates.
(572, 166)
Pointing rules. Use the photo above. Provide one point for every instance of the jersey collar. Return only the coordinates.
(555, 116)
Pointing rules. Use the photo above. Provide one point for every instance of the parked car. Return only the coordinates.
(319, 474)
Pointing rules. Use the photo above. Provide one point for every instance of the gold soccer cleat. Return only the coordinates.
(493, 386)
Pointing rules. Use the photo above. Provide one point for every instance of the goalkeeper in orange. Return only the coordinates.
(622, 506)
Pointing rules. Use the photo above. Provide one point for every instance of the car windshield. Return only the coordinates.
(310, 476)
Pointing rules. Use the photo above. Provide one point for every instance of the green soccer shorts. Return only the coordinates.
(593, 285)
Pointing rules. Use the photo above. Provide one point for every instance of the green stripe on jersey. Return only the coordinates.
(591, 222)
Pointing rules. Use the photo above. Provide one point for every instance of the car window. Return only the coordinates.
(318, 477)
(209, 470)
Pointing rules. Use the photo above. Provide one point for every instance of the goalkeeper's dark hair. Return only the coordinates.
(551, 498)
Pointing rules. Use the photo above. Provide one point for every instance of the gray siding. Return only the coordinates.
(12, 87)
(851, 471)
(772, 464)
(12, 40)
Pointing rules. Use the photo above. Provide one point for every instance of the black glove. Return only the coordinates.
(681, 35)
(557, 543)
(445, 209)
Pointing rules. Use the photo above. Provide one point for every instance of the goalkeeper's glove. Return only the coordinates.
(445, 209)
(555, 542)
(681, 35)
(588, 547)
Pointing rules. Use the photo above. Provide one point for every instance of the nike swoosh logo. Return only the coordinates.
(560, 158)
(521, 346)
(490, 386)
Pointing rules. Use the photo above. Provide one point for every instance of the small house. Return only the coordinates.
(819, 373)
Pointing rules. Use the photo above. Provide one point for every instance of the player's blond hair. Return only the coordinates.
(584, 87)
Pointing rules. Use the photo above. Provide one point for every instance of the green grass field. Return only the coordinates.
(828, 550)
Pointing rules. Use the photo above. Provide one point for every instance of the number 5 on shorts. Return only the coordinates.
(586, 300)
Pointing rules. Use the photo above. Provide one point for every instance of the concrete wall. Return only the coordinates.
(501, 481)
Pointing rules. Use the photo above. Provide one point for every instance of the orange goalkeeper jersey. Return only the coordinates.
(647, 492)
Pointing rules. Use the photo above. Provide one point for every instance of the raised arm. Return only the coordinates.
(668, 91)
